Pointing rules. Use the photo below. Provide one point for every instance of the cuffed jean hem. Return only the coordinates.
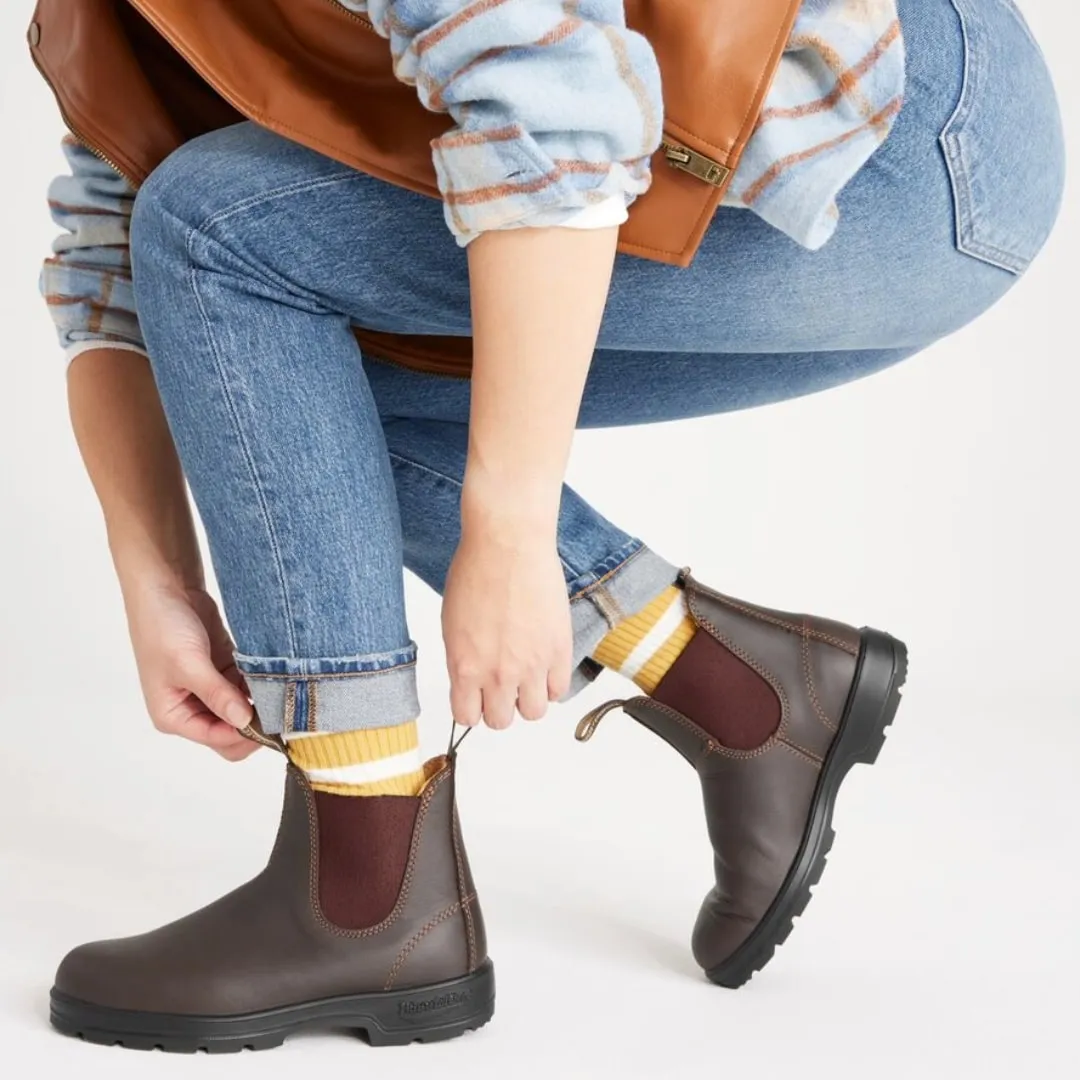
(621, 586)
(332, 693)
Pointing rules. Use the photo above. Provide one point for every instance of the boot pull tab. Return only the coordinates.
(586, 729)
(451, 752)
(255, 733)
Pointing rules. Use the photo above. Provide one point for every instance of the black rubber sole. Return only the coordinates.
(870, 709)
(393, 1018)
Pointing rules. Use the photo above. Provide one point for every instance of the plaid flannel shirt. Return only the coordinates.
(557, 110)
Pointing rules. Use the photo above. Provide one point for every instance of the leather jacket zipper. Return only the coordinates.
(363, 20)
(690, 161)
(678, 155)
(74, 129)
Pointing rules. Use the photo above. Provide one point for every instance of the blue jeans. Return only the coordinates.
(320, 474)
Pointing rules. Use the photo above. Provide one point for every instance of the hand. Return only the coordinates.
(185, 659)
(506, 624)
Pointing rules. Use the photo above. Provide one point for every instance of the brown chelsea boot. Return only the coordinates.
(797, 700)
(365, 918)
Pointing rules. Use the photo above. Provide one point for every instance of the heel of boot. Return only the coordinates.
(874, 697)
(431, 1013)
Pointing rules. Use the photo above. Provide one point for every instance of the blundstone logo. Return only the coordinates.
(423, 1006)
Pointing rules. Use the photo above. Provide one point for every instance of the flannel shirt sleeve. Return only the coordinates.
(87, 280)
(556, 104)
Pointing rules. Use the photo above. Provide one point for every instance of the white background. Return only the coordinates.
(943, 940)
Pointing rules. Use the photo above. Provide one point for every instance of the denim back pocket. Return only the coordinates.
(1003, 144)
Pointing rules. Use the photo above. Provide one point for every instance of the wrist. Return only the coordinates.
(141, 567)
(497, 508)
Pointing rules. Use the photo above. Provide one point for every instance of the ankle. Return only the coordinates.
(365, 762)
(645, 645)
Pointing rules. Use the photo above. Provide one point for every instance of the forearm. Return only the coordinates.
(128, 451)
(538, 297)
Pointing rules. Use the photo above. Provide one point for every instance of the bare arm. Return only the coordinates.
(538, 296)
(537, 299)
(183, 651)
(558, 111)
(129, 454)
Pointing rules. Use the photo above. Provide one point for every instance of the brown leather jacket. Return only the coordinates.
(137, 78)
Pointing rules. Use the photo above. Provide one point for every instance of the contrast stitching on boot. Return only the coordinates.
(727, 601)
(711, 745)
(746, 658)
(798, 751)
(313, 705)
(814, 702)
(403, 895)
(415, 940)
(425, 801)
(466, 909)
(289, 775)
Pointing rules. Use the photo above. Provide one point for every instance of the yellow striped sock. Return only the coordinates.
(644, 646)
(372, 761)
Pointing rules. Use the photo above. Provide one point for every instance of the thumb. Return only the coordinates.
(222, 697)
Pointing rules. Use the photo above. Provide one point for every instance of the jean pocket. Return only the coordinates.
(1003, 144)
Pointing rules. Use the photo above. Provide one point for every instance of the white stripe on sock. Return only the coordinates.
(368, 772)
(667, 624)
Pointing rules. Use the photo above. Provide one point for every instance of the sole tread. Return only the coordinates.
(268, 1042)
(391, 1018)
(738, 970)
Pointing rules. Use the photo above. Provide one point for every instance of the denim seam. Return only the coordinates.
(260, 493)
(298, 187)
(424, 468)
(328, 675)
(207, 228)
(583, 594)
(958, 167)
(289, 719)
(395, 656)
(457, 483)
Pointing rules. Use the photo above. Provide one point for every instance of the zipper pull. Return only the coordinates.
(690, 161)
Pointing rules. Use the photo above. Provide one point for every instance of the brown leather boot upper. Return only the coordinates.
(781, 689)
(332, 914)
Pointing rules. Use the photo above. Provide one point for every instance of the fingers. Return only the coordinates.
(558, 682)
(194, 700)
(532, 702)
(219, 694)
(201, 726)
(500, 699)
(240, 752)
(236, 677)
(466, 702)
